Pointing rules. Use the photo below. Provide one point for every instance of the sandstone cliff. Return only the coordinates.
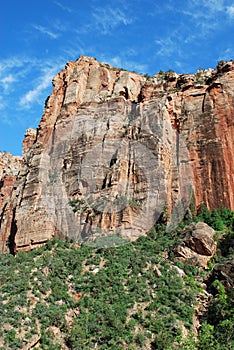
(114, 148)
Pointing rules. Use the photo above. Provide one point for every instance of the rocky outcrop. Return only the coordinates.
(29, 139)
(9, 170)
(113, 149)
(198, 244)
(223, 269)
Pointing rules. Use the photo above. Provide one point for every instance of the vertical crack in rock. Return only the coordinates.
(2, 214)
(114, 148)
(11, 238)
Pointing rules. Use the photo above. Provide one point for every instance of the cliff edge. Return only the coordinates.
(114, 149)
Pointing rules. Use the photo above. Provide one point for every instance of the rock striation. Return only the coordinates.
(9, 171)
(114, 149)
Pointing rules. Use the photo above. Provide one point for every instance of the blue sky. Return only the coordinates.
(38, 37)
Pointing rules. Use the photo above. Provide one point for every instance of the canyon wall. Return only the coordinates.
(115, 149)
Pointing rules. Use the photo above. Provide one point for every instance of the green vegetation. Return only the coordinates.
(126, 297)
(147, 76)
(219, 219)
(217, 330)
(200, 79)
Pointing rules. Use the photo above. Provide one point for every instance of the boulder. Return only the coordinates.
(198, 244)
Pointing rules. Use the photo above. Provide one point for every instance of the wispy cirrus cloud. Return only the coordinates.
(126, 63)
(207, 15)
(7, 81)
(12, 70)
(38, 74)
(32, 95)
(204, 19)
(167, 46)
(63, 7)
(42, 83)
(211, 10)
(58, 25)
(212, 5)
(107, 18)
(46, 31)
(12, 62)
(227, 54)
(2, 104)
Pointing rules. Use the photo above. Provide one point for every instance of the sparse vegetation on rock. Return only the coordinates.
(134, 296)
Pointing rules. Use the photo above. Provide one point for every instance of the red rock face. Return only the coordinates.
(211, 143)
(9, 169)
(113, 149)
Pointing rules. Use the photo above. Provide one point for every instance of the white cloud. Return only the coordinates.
(17, 72)
(165, 47)
(178, 64)
(58, 25)
(206, 17)
(108, 18)
(6, 120)
(230, 11)
(4, 117)
(208, 10)
(227, 54)
(2, 104)
(7, 81)
(12, 62)
(33, 95)
(168, 46)
(63, 7)
(214, 5)
(130, 65)
(46, 31)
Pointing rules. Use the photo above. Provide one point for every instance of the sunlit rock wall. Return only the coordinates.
(115, 149)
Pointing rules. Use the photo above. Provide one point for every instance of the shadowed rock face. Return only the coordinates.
(113, 149)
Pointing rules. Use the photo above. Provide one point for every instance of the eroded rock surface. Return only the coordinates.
(9, 170)
(198, 245)
(113, 149)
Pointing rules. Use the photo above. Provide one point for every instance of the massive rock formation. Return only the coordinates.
(114, 149)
